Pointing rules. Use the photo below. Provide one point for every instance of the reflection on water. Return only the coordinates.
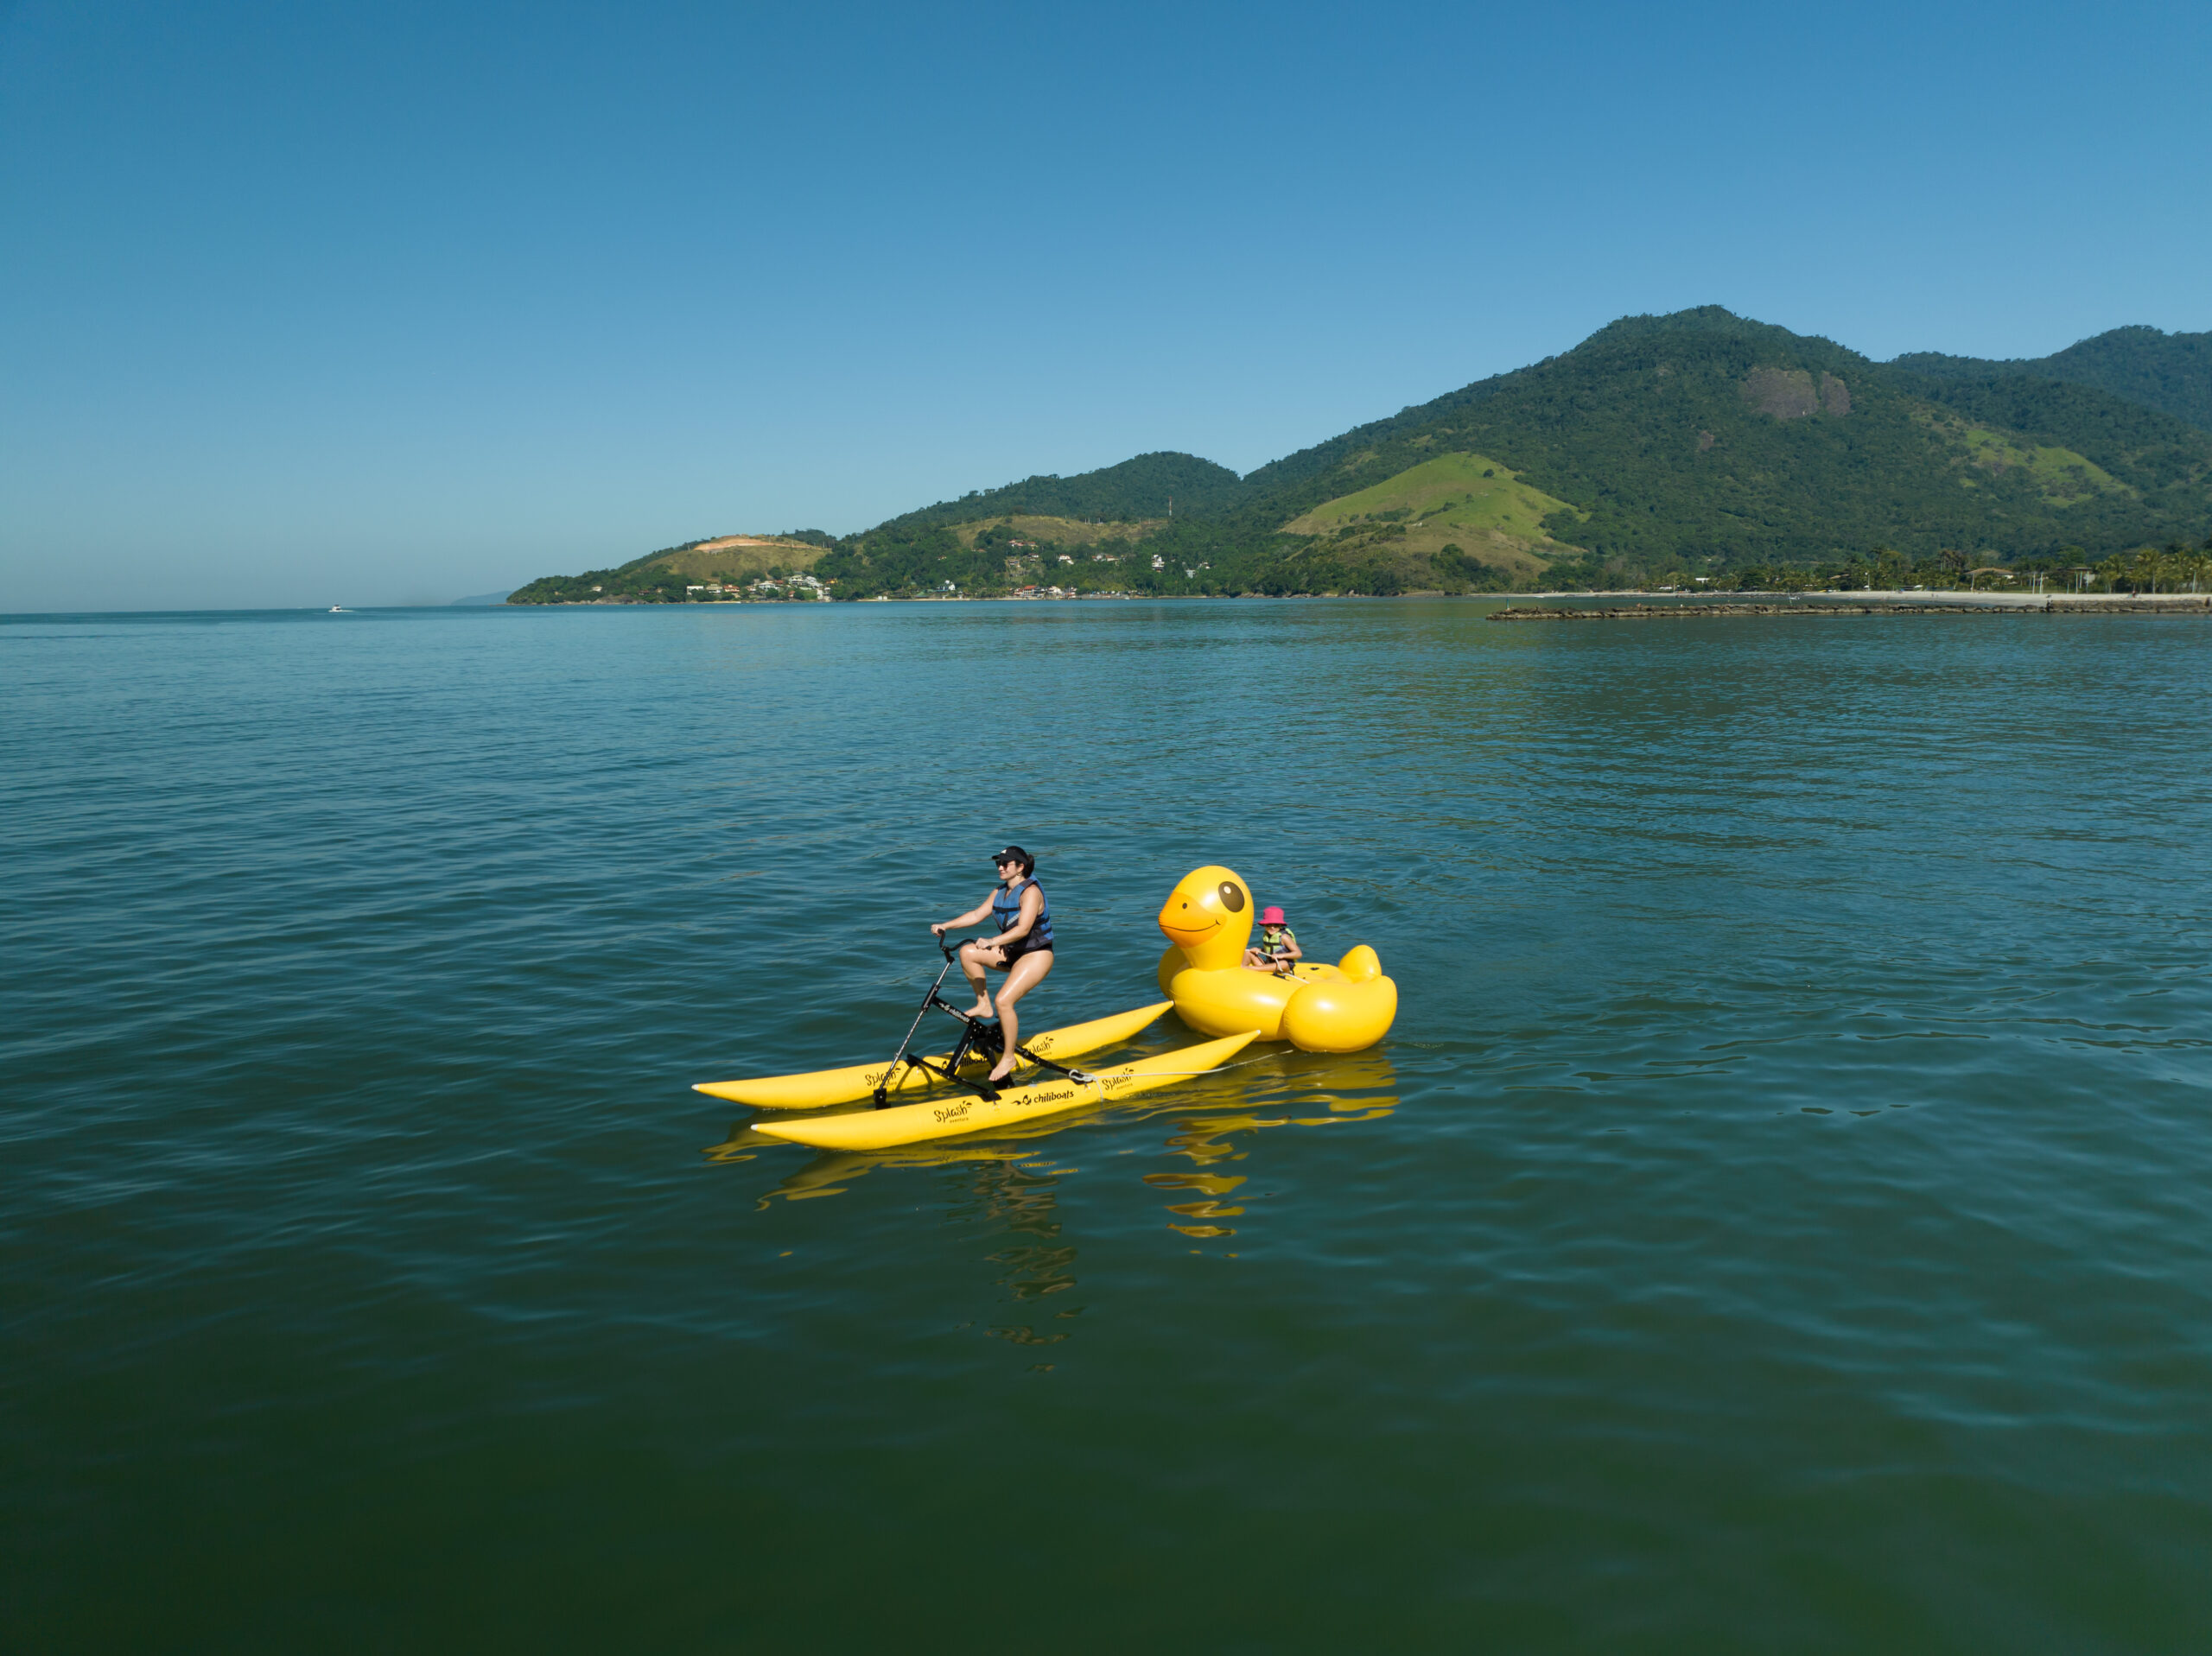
(1212, 1184)
(1210, 1116)
(1036, 1267)
(1012, 1177)
(830, 1172)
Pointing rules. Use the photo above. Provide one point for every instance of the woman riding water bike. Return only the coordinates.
(1023, 948)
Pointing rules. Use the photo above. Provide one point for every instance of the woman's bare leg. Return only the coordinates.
(1027, 973)
(973, 957)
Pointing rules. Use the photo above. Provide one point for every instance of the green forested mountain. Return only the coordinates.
(2171, 372)
(1147, 486)
(1699, 443)
(1708, 440)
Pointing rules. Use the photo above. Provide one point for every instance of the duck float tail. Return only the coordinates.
(1346, 1007)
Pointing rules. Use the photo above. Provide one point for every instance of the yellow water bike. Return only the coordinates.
(980, 1106)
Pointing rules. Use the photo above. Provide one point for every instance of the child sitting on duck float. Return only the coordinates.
(1277, 951)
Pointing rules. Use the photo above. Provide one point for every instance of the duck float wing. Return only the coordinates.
(817, 1089)
(941, 1118)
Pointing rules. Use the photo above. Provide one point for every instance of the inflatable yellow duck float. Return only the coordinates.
(1346, 1007)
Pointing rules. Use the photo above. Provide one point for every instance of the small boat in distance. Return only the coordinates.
(340, 609)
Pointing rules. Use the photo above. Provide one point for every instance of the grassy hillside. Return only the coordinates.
(664, 577)
(740, 558)
(2062, 477)
(2170, 372)
(1461, 508)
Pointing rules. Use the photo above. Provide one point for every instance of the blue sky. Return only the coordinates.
(374, 304)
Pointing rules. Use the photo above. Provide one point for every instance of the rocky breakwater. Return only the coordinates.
(2183, 604)
(2162, 604)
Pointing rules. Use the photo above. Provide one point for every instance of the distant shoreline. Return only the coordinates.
(2064, 601)
(1905, 599)
(2106, 604)
(1911, 599)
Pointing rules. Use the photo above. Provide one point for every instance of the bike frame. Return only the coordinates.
(977, 1040)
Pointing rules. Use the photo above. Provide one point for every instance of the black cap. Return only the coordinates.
(1013, 854)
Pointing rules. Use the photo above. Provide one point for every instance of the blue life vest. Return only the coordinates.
(1006, 909)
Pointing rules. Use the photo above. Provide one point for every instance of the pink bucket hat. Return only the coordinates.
(1270, 917)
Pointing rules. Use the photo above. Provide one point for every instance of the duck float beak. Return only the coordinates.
(1182, 926)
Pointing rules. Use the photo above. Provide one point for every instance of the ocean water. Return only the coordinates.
(1781, 1218)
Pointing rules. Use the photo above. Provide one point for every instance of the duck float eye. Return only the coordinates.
(1232, 895)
